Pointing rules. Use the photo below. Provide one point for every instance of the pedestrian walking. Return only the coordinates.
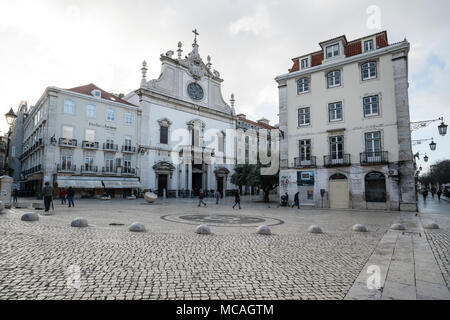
(217, 195)
(62, 195)
(237, 199)
(70, 196)
(48, 194)
(287, 199)
(15, 195)
(201, 196)
(296, 200)
(439, 193)
(425, 194)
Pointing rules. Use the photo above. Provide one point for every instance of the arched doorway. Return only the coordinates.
(338, 193)
(375, 187)
(221, 180)
(163, 173)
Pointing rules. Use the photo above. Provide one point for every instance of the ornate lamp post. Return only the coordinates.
(433, 146)
(442, 128)
(425, 158)
(10, 118)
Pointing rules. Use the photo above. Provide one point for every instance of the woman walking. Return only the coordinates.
(237, 199)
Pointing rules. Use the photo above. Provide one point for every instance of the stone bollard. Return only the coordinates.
(315, 229)
(79, 223)
(359, 228)
(203, 229)
(264, 230)
(137, 227)
(431, 225)
(398, 226)
(150, 197)
(30, 216)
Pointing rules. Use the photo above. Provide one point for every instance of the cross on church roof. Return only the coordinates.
(196, 34)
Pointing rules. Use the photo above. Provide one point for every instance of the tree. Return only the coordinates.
(250, 175)
(438, 174)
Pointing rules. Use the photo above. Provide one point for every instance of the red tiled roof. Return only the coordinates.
(352, 48)
(259, 124)
(87, 90)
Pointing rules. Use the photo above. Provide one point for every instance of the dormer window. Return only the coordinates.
(304, 63)
(332, 51)
(368, 45)
(97, 93)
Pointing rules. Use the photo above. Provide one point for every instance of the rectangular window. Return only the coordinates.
(303, 117)
(373, 143)
(67, 132)
(128, 141)
(335, 111)
(302, 85)
(127, 162)
(90, 135)
(88, 162)
(337, 148)
(332, 51)
(66, 162)
(109, 162)
(110, 115)
(91, 111)
(305, 150)
(371, 106)
(69, 106)
(221, 138)
(334, 78)
(369, 70)
(128, 118)
(368, 45)
(304, 63)
(163, 135)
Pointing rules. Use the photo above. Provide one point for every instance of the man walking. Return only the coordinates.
(433, 192)
(217, 195)
(425, 194)
(201, 196)
(15, 195)
(70, 195)
(296, 201)
(48, 193)
(237, 199)
(439, 193)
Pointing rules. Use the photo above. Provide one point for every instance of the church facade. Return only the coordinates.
(185, 120)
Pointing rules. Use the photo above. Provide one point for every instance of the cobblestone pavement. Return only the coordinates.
(41, 260)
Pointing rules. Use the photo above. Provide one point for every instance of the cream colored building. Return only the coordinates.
(82, 137)
(345, 116)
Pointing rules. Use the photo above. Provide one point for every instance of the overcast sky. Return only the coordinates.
(72, 43)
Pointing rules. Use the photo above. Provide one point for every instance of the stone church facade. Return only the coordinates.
(185, 119)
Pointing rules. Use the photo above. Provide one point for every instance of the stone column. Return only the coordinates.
(407, 195)
(5, 190)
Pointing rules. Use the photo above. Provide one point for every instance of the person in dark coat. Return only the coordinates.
(15, 195)
(201, 196)
(70, 196)
(425, 194)
(237, 199)
(296, 201)
(439, 193)
(48, 194)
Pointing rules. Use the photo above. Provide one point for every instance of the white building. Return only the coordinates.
(82, 137)
(344, 112)
(185, 116)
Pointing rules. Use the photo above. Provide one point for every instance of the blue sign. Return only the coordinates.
(305, 178)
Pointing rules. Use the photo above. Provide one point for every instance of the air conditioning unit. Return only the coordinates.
(393, 172)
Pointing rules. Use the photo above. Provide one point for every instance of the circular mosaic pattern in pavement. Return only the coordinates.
(222, 220)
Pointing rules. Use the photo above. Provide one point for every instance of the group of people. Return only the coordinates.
(65, 195)
(434, 191)
(217, 195)
(285, 200)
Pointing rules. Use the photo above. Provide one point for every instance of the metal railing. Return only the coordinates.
(110, 170)
(89, 169)
(66, 168)
(90, 145)
(67, 142)
(339, 160)
(128, 171)
(110, 146)
(304, 163)
(374, 157)
(128, 149)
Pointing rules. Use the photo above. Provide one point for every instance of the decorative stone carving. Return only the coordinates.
(30, 216)
(80, 223)
(359, 228)
(398, 226)
(203, 229)
(137, 227)
(164, 122)
(264, 230)
(169, 53)
(150, 197)
(315, 229)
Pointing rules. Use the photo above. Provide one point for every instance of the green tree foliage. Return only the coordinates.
(250, 175)
(438, 174)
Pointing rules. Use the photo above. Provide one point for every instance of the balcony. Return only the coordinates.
(89, 145)
(109, 170)
(63, 142)
(128, 149)
(66, 168)
(126, 171)
(110, 147)
(299, 163)
(89, 169)
(342, 160)
(373, 158)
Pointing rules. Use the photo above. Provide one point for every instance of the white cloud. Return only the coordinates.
(257, 23)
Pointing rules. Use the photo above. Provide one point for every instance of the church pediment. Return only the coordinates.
(164, 166)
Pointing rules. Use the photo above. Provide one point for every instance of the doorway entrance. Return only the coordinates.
(162, 184)
(338, 192)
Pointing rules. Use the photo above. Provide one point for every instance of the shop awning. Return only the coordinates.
(121, 184)
(79, 184)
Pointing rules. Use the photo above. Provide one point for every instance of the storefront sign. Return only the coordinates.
(305, 178)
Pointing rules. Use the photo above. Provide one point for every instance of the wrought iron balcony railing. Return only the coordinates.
(374, 157)
(303, 162)
(338, 160)
(67, 142)
(90, 145)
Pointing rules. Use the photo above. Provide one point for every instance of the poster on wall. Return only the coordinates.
(305, 178)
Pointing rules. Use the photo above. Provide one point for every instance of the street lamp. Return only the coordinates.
(425, 158)
(433, 146)
(442, 129)
(10, 117)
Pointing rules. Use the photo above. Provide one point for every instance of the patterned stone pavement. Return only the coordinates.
(48, 259)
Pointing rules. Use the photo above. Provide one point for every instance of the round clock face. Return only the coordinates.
(195, 91)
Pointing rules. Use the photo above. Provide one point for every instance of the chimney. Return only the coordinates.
(241, 115)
